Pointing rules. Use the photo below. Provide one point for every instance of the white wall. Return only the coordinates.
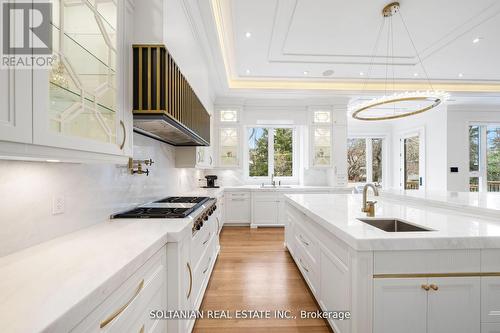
(92, 193)
(434, 125)
(169, 22)
(459, 117)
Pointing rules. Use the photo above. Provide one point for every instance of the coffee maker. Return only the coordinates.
(211, 181)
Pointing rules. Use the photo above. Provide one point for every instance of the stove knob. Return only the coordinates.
(210, 212)
(215, 207)
(205, 217)
(198, 226)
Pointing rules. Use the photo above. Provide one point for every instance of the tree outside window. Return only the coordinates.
(270, 151)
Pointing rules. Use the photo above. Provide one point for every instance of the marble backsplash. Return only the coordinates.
(92, 192)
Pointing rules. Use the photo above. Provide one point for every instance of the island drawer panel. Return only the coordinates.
(307, 243)
(490, 260)
(426, 261)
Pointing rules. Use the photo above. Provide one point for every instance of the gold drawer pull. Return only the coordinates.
(190, 280)
(303, 241)
(120, 310)
(425, 287)
(434, 287)
(304, 267)
(124, 135)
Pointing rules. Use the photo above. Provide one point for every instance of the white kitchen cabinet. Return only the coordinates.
(15, 105)
(78, 110)
(404, 305)
(238, 207)
(335, 286)
(194, 157)
(490, 299)
(127, 308)
(265, 207)
(455, 305)
(400, 305)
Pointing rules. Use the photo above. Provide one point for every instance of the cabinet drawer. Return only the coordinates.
(202, 272)
(238, 195)
(307, 243)
(309, 270)
(143, 291)
(426, 261)
(201, 241)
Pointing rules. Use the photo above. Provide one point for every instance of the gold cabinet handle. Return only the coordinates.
(425, 287)
(190, 280)
(123, 307)
(304, 267)
(303, 241)
(434, 287)
(206, 269)
(124, 134)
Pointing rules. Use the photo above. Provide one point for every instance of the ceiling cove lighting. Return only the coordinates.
(394, 105)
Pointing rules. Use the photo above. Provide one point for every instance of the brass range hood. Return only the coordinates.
(165, 106)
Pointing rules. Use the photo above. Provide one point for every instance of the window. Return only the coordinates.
(364, 160)
(228, 116)
(484, 158)
(411, 163)
(321, 130)
(270, 151)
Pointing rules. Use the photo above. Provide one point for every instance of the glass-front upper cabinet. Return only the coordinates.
(228, 138)
(80, 102)
(321, 138)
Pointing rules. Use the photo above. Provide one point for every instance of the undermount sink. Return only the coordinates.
(392, 225)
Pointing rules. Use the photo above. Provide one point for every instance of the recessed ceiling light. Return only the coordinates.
(460, 74)
(248, 34)
(476, 40)
(247, 72)
(328, 72)
(415, 74)
(306, 72)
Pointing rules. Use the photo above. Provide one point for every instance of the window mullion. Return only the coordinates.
(270, 151)
(483, 162)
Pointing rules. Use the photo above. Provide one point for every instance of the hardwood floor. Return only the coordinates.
(255, 272)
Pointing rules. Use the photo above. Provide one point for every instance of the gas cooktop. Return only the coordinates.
(171, 207)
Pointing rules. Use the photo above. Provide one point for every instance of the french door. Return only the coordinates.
(412, 160)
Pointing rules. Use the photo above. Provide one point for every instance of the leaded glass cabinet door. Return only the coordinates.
(78, 102)
(228, 147)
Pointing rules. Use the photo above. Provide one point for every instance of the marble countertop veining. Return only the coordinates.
(47, 287)
(339, 214)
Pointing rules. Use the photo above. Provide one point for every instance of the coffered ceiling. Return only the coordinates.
(326, 45)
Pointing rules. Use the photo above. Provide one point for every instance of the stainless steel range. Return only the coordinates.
(198, 208)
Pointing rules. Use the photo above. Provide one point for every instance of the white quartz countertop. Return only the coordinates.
(339, 213)
(47, 288)
(286, 188)
(471, 201)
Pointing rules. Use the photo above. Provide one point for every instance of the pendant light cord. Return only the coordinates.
(415, 49)
(374, 51)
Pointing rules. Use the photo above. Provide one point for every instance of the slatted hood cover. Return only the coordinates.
(165, 106)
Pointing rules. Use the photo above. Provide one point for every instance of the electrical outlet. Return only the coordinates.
(58, 205)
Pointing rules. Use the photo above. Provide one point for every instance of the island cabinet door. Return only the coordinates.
(490, 300)
(400, 305)
(454, 305)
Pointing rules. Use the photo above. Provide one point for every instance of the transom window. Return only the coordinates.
(322, 117)
(484, 158)
(271, 152)
(229, 116)
(364, 160)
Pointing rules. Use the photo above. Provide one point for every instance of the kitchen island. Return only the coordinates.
(443, 279)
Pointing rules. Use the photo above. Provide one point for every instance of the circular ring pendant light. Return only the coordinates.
(402, 104)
